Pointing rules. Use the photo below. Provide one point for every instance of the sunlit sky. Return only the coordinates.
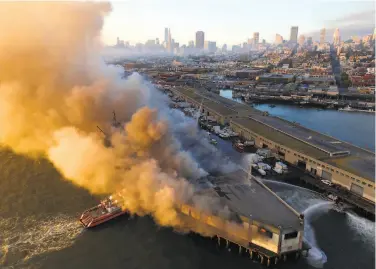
(234, 21)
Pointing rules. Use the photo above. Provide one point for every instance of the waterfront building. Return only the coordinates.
(294, 34)
(275, 78)
(200, 39)
(324, 157)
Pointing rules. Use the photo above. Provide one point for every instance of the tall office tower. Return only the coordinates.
(301, 40)
(169, 42)
(191, 44)
(166, 35)
(200, 39)
(336, 37)
(294, 34)
(157, 41)
(224, 48)
(322, 36)
(278, 39)
(256, 38)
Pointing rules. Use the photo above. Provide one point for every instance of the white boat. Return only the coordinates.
(350, 109)
(262, 172)
(223, 135)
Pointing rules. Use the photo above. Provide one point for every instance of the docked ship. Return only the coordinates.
(107, 209)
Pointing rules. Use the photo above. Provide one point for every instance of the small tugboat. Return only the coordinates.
(107, 209)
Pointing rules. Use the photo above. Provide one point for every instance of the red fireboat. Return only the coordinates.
(108, 209)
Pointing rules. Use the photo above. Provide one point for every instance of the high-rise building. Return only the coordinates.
(169, 42)
(200, 39)
(278, 39)
(210, 46)
(256, 38)
(191, 44)
(206, 45)
(336, 37)
(309, 41)
(166, 30)
(322, 36)
(356, 39)
(157, 41)
(224, 48)
(294, 34)
(301, 40)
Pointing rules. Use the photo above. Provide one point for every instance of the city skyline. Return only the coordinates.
(233, 28)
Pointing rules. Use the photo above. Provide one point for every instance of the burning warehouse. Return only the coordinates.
(258, 221)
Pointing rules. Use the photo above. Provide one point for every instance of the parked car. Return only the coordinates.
(327, 182)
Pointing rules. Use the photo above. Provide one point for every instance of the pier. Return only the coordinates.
(322, 156)
(258, 222)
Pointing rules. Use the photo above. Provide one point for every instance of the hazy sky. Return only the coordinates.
(234, 21)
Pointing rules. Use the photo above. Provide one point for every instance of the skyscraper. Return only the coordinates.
(256, 38)
(336, 37)
(278, 39)
(169, 42)
(191, 44)
(301, 40)
(322, 36)
(294, 34)
(166, 35)
(200, 39)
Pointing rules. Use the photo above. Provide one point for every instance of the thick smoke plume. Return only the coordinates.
(54, 92)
